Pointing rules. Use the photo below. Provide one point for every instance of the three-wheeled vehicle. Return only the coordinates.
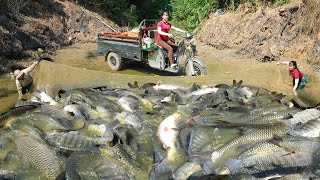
(120, 47)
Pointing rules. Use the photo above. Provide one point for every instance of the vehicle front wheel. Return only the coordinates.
(198, 70)
(114, 61)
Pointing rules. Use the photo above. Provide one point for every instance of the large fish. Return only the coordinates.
(38, 155)
(303, 117)
(8, 117)
(169, 87)
(111, 170)
(297, 143)
(279, 162)
(76, 142)
(309, 129)
(186, 170)
(167, 131)
(254, 136)
(44, 122)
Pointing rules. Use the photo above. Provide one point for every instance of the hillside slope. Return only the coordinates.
(26, 26)
(288, 31)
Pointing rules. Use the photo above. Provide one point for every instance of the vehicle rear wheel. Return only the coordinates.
(198, 70)
(114, 61)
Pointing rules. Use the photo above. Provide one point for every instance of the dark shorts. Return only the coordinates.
(302, 82)
(26, 89)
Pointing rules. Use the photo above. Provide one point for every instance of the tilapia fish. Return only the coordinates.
(76, 142)
(309, 129)
(303, 117)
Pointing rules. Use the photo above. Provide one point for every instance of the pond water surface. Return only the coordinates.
(76, 66)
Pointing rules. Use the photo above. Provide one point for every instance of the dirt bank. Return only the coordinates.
(290, 31)
(48, 24)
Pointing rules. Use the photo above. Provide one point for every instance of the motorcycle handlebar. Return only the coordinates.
(187, 35)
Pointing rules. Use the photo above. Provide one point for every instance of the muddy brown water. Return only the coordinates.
(76, 67)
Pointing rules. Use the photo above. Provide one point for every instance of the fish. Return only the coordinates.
(169, 87)
(77, 111)
(186, 170)
(297, 143)
(200, 137)
(38, 155)
(186, 98)
(269, 110)
(56, 112)
(74, 141)
(7, 118)
(279, 162)
(111, 170)
(167, 131)
(302, 117)
(72, 166)
(45, 98)
(309, 129)
(254, 136)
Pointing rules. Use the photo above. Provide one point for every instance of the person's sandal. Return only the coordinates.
(173, 66)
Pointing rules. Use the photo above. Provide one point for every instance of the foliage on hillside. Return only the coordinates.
(127, 13)
(189, 13)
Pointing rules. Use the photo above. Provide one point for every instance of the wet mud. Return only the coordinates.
(77, 66)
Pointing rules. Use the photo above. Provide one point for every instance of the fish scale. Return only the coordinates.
(268, 110)
(72, 166)
(272, 118)
(111, 170)
(75, 142)
(255, 136)
(273, 163)
(38, 155)
(267, 117)
(303, 116)
(297, 143)
(309, 129)
(199, 138)
(260, 148)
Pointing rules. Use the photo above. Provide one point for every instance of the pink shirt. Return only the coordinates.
(165, 27)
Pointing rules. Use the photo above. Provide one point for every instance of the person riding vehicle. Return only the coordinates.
(164, 37)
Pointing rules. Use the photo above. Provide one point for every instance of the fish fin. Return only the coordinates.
(67, 101)
(194, 87)
(239, 83)
(135, 84)
(234, 82)
(274, 142)
(130, 85)
(179, 98)
(176, 129)
(278, 97)
(275, 136)
(147, 85)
